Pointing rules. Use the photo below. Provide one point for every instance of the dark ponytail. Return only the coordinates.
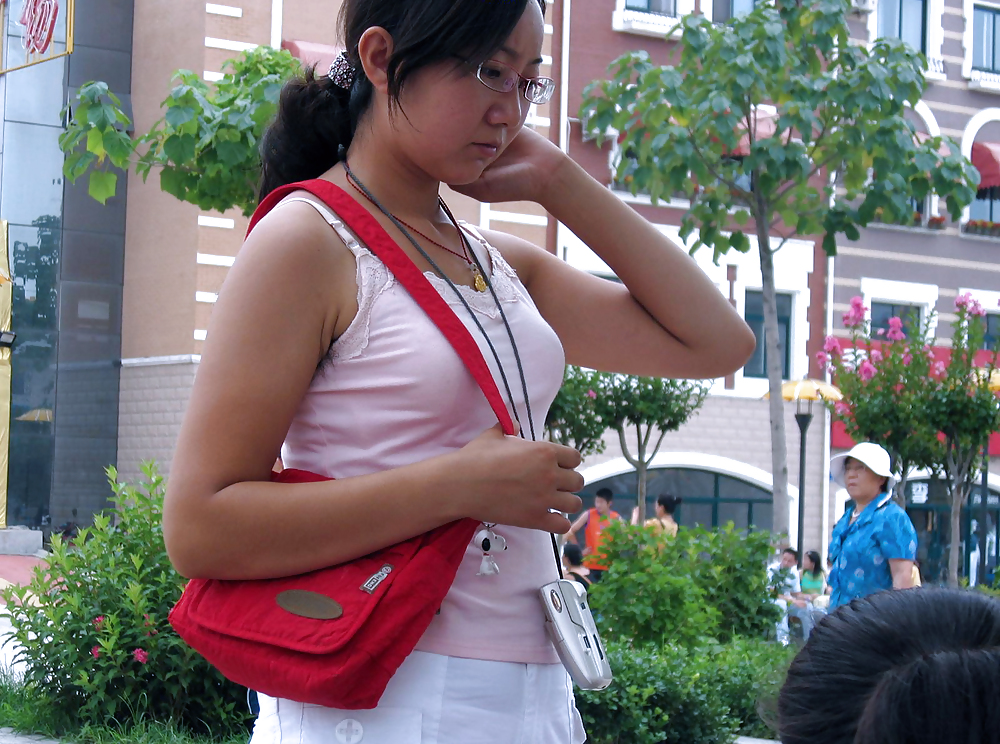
(317, 119)
(315, 123)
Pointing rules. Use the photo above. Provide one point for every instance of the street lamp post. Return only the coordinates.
(804, 392)
(803, 417)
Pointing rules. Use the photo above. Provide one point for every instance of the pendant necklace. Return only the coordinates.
(477, 277)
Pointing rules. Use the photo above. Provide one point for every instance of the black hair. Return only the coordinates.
(817, 563)
(573, 554)
(918, 666)
(317, 119)
(669, 503)
(606, 494)
(793, 552)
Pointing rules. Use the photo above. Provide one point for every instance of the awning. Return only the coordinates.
(986, 160)
(311, 53)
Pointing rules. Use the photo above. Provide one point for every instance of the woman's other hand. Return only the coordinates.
(523, 171)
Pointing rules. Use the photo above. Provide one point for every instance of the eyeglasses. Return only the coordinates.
(503, 79)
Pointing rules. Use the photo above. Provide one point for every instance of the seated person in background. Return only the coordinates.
(784, 579)
(898, 667)
(663, 523)
(572, 558)
(814, 587)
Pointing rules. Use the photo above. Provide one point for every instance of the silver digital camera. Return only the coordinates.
(571, 626)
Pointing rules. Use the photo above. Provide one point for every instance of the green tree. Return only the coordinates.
(885, 379)
(927, 412)
(839, 128)
(573, 419)
(206, 146)
(647, 406)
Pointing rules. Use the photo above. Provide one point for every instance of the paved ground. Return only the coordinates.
(16, 569)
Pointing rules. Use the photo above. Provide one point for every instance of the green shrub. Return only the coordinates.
(93, 632)
(699, 586)
(678, 695)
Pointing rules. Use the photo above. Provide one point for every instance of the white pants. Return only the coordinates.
(436, 699)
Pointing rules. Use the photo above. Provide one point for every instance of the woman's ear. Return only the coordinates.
(374, 51)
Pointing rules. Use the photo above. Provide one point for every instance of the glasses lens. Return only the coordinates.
(540, 90)
(498, 77)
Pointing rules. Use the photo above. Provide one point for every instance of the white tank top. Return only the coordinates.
(393, 392)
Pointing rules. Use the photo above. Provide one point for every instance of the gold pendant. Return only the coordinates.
(478, 280)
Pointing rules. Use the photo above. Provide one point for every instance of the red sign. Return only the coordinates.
(38, 18)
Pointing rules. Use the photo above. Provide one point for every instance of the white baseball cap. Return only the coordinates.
(873, 456)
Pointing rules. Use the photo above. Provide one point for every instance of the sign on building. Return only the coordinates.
(35, 31)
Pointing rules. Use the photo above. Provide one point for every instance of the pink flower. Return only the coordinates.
(98, 620)
(939, 369)
(976, 309)
(963, 300)
(856, 315)
(880, 332)
(867, 370)
(96, 652)
(876, 356)
(895, 330)
(141, 656)
(907, 358)
(822, 359)
(832, 346)
(591, 394)
(841, 408)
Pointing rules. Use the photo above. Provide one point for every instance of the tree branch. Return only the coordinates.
(624, 445)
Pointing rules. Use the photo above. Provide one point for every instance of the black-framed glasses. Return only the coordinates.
(504, 78)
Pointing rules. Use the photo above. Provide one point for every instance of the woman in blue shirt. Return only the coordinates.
(874, 544)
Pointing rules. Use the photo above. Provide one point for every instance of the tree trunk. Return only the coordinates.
(775, 363)
(899, 493)
(640, 471)
(955, 552)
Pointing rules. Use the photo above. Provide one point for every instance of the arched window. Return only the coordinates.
(709, 499)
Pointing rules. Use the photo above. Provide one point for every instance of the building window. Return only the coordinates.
(985, 52)
(986, 206)
(905, 20)
(724, 10)
(754, 314)
(883, 311)
(659, 7)
(992, 336)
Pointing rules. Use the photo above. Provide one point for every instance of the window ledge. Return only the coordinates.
(935, 69)
(644, 24)
(921, 229)
(987, 82)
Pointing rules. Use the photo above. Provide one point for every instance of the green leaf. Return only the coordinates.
(102, 185)
(178, 116)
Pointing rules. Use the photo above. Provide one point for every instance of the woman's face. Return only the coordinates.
(862, 483)
(807, 564)
(450, 125)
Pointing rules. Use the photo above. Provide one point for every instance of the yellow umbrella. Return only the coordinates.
(36, 414)
(809, 389)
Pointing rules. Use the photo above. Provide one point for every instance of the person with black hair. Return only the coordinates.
(573, 564)
(315, 351)
(898, 667)
(663, 522)
(784, 580)
(593, 522)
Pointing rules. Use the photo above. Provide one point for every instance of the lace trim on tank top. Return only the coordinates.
(373, 279)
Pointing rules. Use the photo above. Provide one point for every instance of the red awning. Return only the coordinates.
(311, 53)
(986, 160)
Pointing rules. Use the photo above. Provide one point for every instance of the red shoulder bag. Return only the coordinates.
(336, 636)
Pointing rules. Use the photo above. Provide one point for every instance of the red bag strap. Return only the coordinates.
(378, 241)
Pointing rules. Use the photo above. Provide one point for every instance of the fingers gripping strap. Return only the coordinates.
(378, 241)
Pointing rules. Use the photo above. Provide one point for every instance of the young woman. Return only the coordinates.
(314, 350)
(813, 579)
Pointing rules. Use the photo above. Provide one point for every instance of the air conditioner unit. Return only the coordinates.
(863, 7)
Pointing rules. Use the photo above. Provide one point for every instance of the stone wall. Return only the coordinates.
(154, 395)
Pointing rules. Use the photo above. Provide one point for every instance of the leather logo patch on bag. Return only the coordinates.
(376, 578)
(309, 604)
